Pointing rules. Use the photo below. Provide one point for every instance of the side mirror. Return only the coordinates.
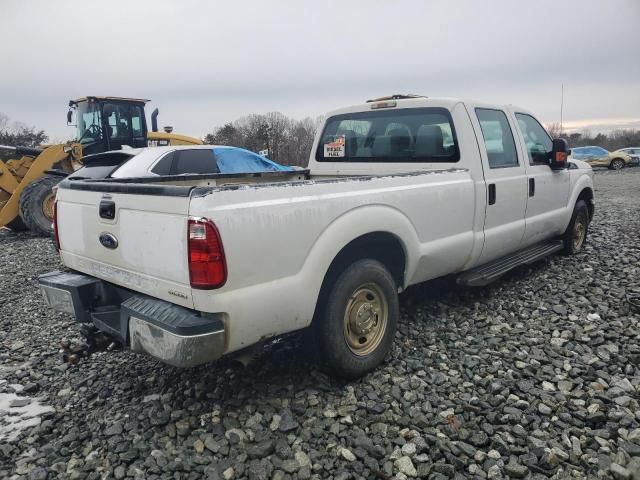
(559, 153)
(69, 116)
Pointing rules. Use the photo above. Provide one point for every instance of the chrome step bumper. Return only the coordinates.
(173, 334)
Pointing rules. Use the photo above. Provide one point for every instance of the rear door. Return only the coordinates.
(133, 236)
(548, 190)
(505, 179)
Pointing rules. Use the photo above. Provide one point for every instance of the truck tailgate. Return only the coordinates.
(143, 247)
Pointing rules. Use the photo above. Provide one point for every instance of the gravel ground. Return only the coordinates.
(534, 376)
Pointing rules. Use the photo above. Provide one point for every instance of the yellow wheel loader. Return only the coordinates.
(102, 124)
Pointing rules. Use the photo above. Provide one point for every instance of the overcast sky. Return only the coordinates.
(205, 63)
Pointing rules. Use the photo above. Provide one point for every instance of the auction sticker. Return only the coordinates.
(335, 148)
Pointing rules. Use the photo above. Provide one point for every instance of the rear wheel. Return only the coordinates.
(357, 323)
(36, 205)
(616, 164)
(576, 233)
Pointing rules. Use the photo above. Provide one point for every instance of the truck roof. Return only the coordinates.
(415, 101)
(122, 99)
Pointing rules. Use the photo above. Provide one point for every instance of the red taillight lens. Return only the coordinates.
(207, 265)
(56, 237)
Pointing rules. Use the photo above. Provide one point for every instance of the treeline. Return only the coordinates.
(613, 140)
(288, 141)
(18, 134)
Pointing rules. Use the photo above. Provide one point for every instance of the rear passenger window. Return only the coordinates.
(198, 161)
(394, 135)
(498, 138)
(163, 167)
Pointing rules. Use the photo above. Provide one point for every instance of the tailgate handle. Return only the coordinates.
(107, 209)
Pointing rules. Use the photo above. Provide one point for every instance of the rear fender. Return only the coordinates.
(348, 227)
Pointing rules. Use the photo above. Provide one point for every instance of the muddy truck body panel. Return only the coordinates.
(199, 267)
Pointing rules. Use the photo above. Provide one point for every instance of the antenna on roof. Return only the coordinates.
(561, 104)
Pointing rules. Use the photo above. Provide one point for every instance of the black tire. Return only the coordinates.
(616, 164)
(575, 236)
(32, 205)
(17, 225)
(361, 282)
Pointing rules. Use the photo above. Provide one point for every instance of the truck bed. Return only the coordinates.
(278, 230)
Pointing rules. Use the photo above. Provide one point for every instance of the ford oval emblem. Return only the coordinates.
(108, 240)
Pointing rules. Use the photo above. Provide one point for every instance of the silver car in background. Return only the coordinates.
(633, 152)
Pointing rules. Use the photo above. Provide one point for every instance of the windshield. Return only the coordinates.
(89, 122)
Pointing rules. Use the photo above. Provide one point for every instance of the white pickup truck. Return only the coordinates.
(399, 190)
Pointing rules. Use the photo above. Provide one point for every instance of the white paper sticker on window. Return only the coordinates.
(335, 148)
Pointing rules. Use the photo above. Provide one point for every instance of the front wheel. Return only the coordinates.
(36, 205)
(616, 164)
(576, 233)
(356, 325)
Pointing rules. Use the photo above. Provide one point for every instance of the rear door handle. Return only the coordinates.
(532, 187)
(492, 193)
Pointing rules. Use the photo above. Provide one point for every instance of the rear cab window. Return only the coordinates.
(399, 135)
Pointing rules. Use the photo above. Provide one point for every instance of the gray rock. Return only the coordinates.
(114, 429)
(262, 449)
(38, 473)
(347, 454)
(544, 409)
(619, 472)
(119, 472)
(290, 466)
(287, 422)
(405, 466)
(515, 470)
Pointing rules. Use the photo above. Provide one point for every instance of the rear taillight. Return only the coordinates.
(207, 265)
(56, 236)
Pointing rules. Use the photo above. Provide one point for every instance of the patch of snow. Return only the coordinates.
(15, 419)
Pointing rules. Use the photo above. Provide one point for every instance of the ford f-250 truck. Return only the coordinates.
(399, 190)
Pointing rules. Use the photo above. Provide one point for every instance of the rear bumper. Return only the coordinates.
(173, 334)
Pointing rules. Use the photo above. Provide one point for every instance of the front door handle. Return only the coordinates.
(492, 193)
(532, 187)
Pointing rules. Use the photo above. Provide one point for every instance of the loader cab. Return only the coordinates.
(108, 123)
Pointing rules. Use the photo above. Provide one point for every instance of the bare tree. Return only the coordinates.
(18, 134)
(288, 140)
(554, 129)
